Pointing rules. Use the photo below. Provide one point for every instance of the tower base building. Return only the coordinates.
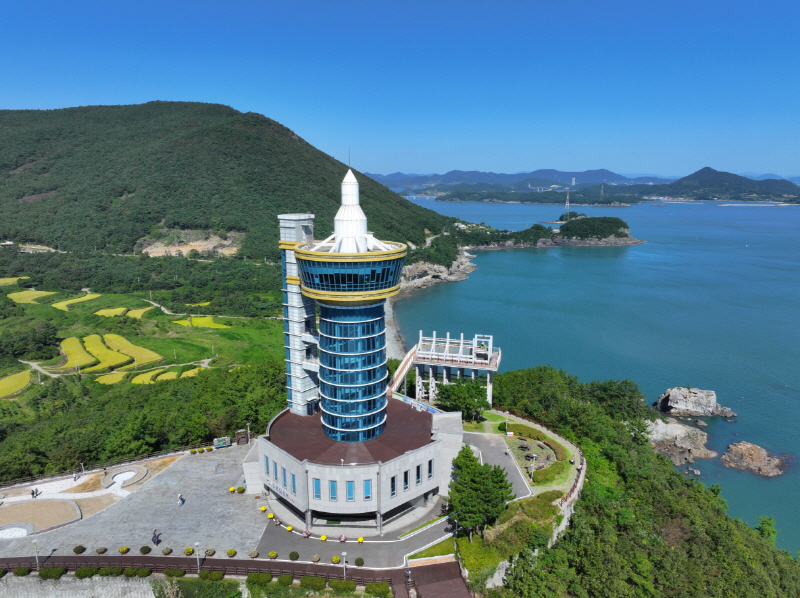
(345, 449)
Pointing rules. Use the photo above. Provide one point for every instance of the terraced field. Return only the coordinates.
(147, 377)
(9, 281)
(75, 353)
(201, 322)
(14, 383)
(111, 378)
(167, 376)
(138, 313)
(110, 313)
(191, 373)
(28, 296)
(64, 305)
(140, 355)
(108, 359)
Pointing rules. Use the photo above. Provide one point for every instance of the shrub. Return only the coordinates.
(208, 449)
(21, 571)
(189, 551)
(167, 550)
(200, 450)
(315, 558)
(203, 574)
(211, 552)
(272, 554)
(359, 562)
(130, 572)
(3, 573)
(145, 550)
(261, 579)
(379, 589)
(312, 583)
(86, 572)
(549, 474)
(79, 549)
(105, 571)
(342, 588)
(124, 550)
(174, 572)
(216, 576)
(240, 490)
(293, 556)
(336, 559)
(231, 552)
(101, 550)
(143, 573)
(192, 451)
(52, 572)
(285, 579)
(253, 554)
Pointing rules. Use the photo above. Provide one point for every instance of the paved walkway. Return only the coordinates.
(494, 451)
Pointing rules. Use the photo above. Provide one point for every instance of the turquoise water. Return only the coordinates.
(711, 301)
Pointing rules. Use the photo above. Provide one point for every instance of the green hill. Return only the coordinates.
(108, 176)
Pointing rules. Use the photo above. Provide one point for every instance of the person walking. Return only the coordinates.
(181, 500)
(155, 539)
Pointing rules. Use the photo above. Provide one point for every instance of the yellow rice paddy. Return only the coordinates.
(201, 322)
(147, 377)
(108, 359)
(138, 313)
(28, 296)
(198, 304)
(9, 281)
(167, 376)
(14, 383)
(111, 378)
(64, 305)
(140, 355)
(75, 353)
(191, 373)
(110, 313)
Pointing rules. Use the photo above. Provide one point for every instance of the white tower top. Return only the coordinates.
(350, 225)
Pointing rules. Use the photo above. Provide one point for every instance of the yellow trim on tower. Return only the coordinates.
(369, 256)
(289, 244)
(292, 280)
(341, 297)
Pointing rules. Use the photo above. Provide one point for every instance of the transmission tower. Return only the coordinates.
(566, 207)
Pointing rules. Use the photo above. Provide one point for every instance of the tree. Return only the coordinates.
(766, 529)
(468, 397)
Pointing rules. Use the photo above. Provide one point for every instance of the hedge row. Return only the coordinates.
(534, 434)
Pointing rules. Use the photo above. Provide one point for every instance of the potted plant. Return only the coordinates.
(359, 562)
(124, 550)
(273, 554)
(211, 552)
(167, 551)
(192, 451)
(315, 558)
(189, 551)
(336, 559)
(240, 490)
(231, 553)
(145, 550)
(101, 550)
(253, 554)
(293, 556)
(79, 549)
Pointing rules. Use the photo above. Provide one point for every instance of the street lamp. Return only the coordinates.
(36, 550)
(197, 554)
(344, 564)
(248, 432)
(83, 471)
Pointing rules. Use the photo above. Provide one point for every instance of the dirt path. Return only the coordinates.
(39, 368)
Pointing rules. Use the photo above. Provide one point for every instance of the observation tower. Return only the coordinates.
(350, 275)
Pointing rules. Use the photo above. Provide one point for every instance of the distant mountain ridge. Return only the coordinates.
(454, 177)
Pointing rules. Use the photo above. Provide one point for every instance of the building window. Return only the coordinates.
(283, 473)
(430, 469)
(275, 470)
(367, 489)
(317, 489)
(266, 464)
(351, 491)
(393, 485)
(294, 485)
(406, 477)
(419, 474)
(332, 489)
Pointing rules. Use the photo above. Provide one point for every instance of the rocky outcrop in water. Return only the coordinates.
(423, 274)
(751, 457)
(678, 442)
(558, 241)
(691, 401)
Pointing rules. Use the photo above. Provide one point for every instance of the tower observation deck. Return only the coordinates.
(350, 275)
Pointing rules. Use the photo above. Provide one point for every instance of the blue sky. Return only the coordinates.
(651, 86)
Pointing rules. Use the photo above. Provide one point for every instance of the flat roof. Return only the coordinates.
(302, 437)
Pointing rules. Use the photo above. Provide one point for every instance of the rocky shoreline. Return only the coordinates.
(678, 442)
(611, 241)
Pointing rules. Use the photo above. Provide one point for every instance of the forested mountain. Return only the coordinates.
(460, 177)
(107, 176)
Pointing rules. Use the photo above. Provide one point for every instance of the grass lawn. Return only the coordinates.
(443, 548)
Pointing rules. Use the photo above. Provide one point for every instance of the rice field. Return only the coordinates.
(108, 359)
(198, 304)
(140, 355)
(167, 376)
(75, 353)
(138, 313)
(200, 322)
(64, 305)
(147, 377)
(28, 296)
(111, 378)
(4, 282)
(14, 383)
(191, 373)
(110, 313)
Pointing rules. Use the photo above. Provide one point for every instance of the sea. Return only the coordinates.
(711, 300)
